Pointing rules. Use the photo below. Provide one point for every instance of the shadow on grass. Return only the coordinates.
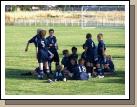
(107, 45)
(116, 56)
(16, 74)
(115, 45)
(113, 80)
(118, 77)
(117, 74)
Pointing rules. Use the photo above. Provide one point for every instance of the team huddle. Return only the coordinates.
(93, 62)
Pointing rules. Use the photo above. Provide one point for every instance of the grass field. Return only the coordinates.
(17, 62)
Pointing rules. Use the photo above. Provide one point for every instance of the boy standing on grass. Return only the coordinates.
(101, 55)
(90, 48)
(41, 52)
(90, 54)
(53, 47)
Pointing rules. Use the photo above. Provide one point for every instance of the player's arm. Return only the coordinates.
(103, 51)
(36, 52)
(86, 45)
(94, 46)
(51, 55)
(30, 41)
(56, 44)
(27, 46)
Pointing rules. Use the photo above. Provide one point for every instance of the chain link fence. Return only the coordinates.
(82, 16)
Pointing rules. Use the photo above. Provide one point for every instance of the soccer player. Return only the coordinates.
(80, 73)
(59, 74)
(65, 59)
(83, 55)
(53, 47)
(101, 55)
(90, 48)
(41, 45)
(109, 67)
(74, 54)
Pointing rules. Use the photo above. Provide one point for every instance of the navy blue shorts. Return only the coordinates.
(101, 60)
(90, 57)
(56, 56)
(42, 57)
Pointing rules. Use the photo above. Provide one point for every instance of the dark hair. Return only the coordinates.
(80, 60)
(65, 51)
(73, 48)
(88, 35)
(51, 30)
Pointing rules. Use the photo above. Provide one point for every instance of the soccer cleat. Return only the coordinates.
(50, 81)
(101, 76)
(65, 79)
(48, 71)
(89, 74)
(55, 80)
(40, 77)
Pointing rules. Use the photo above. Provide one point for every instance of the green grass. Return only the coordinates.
(17, 62)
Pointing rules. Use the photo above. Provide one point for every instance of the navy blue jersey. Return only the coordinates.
(90, 44)
(90, 49)
(52, 40)
(101, 45)
(80, 73)
(73, 56)
(84, 56)
(41, 44)
(59, 75)
(81, 68)
(72, 68)
(34, 40)
(65, 61)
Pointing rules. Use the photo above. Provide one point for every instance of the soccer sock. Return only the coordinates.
(102, 69)
(49, 64)
(57, 63)
(41, 69)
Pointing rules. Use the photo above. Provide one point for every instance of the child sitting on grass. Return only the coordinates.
(80, 73)
(109, 67)
(74, 54)
(89, 66)
(84, 55)
(58, 75)
(70, 69)
(65, 59)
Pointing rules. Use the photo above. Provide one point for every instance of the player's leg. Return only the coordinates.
(50, 63)
(47, 70)
(56, 59)
(40, 72)
(88, 68)
(101, 62)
